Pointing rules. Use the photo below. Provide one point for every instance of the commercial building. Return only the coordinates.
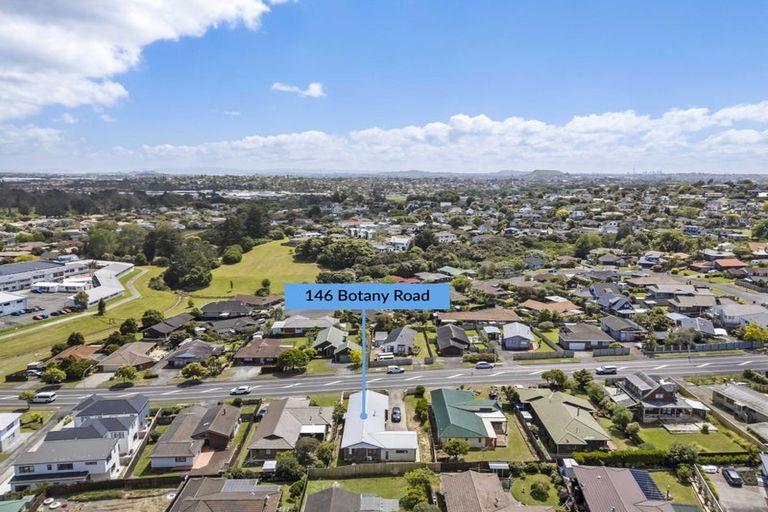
(20, 276)
(11, 303)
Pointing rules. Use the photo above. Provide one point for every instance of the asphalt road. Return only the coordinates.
(502, 374)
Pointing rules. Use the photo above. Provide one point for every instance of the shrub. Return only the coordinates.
(420, 390)
(540, 490)
(547, 326)
(480, 356)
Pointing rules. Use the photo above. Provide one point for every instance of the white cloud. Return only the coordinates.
(313, 90)
(107, 118)
(231, 113)
(69, 53)
(67, 118)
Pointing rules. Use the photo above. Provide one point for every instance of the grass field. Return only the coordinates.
(389, 487)
(521, 490)
(271, 260)
(16, 351)
(680, 493)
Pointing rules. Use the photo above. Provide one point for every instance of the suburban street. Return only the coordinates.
(502, 374)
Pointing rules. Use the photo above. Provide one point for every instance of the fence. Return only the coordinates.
(618, 351)
(752, 286)
(711, 499)
(390, 469)
(707, 347)
(399, 361)
(533, 441)
(139, 449)
(565, 354)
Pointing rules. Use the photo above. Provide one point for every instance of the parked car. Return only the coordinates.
(606, 370)
(240, 390)
(484, 365)
(709, 468)
(33, 373)
(17, 313)
(397, 415)
(395, 369)
(732, 477)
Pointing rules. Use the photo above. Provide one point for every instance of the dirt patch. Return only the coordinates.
(145, 500)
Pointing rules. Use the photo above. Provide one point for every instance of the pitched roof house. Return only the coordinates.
(193, 351)
(471, 491)
(516, 336)
(399, 341)
(460, 415)
(621, 329)
(605, 489)
(220, 494)
(451, 340)
(136, 354)
(583, 336)
(337, 499)
(162, 330)
(656, 399)
(261, 352)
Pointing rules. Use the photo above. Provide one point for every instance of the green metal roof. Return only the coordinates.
(332, 335)
(455, 410)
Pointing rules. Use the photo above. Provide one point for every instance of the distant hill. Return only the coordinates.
(545, 174)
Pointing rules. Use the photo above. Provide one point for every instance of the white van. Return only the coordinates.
(606, 370)
(44, 397)
(385, 356)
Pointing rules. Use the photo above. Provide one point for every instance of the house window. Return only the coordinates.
(659, 396)
(401, 451)
(26, 469)
(64, 467)
(50, 467)
(91, 463)
(180, 459)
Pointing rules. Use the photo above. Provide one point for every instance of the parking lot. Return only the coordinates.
(749, 498)
(48, 301)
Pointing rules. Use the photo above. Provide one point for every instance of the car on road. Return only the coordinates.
(395, 369)
(397, 415)
(484, 365)
(606, 370)
(240, 390)
(732, 477)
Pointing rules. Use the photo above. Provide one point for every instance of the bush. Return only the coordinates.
(154, 435)
(540, 490)
(420, 390)
(480, 356)
(233, 254)
(161, 261)
(547, 326)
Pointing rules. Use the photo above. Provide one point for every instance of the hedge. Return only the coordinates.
(657, 458)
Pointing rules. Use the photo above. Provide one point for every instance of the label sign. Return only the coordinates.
(367, 296)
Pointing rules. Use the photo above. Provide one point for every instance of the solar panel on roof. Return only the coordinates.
(239, 485)
(647, 485)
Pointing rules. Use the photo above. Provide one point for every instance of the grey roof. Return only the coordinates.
(68, 451)
(94, 430)
(744, 395)
(583, 332)
(169, 325)
(27, 266)
(95, 405)
(516, 329)
(225, 308)
(400, 336)
(281, 425)
(224, 495)
(615, 489)
(451, 335)
(616, 323)
(195, 349)
(339, 500)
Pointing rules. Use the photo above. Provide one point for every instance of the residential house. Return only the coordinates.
(224, 309)
(516, 336)
(489, 316)
(66, 462)
(745, 403)
(725, 264)
(399, 341)
(606, 489)
(732, 316)
(260, 352)
(328, 340)
(285, 422)
(445, 237)
(617, 305)
(299, 324)
(134, 408)
(78, 352)
(611, 260)
(221, 494)
(451, 340)
(193, 351)
(10, 430)
(368, 440)
(337, 499)
(651, 259)
(137, 354)
(621, 329)
(534, 261)
(458, 414)
(162, 330)
(399, 243)
(122, 428)
(655, 398)
(471, 491)
(565, 422)
(583, 336)
(559, 305)
(703, 326)
(233, 325)
(692, 304)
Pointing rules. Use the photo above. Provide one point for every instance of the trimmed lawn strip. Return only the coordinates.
(681, 494)
(388, 487)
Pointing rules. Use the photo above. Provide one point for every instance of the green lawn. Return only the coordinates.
(16, 351)
(680, 493)
(521, 490)
(328, 400)
(617, 437)
(271, 260)
(543, 347)
(712, 442)
(26, 419)
(552, 336)
(143, 469)
(516, 449)
(390, 487)
(320, 367)
(421, 342)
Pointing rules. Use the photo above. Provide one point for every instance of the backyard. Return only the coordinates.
(681, 494)
(516, 449)
(521, 490)
(390, 487)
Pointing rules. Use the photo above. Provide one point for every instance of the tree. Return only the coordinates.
(53, 376)
(129, 326)
(684, 473)
(27, 396)
(305, 450)
(585, 243)
(556, 378)
(194, 371)
(632, 429)
(292, 359)
(680, 453)
(288, 467)
(324, 452)
(425, 507)
(424, 239)
(126, 373)
(81, 300)
(75, 338)
(356, 357)
(582, 377)
(339, 410)
(152, 317)
(58, 348)
(753, 332)
(760, 230)
(456, 448)
(422, 409)
(101, 241)
(621, 418)
(461, 283)
(683, 336)
(130, 239)
(540, 490)
(101, 307)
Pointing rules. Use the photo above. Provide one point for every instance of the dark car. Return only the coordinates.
(732, 477)
(396, 415)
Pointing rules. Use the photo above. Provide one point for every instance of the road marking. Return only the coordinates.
(497, 373)
(291, 385)
(703, 365)
(622, 368)
(126, 395)
(454, 376)
(660, 367)
(745, 362)
(372, 380)
(168, 393)
(7, 397)
(537, 372)
(414, 377)
(331, 383)
(210, 390)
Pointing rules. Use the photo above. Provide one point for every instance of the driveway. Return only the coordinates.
(396, 400)
(750, 498)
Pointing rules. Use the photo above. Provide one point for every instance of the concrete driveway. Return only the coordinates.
(749, 498)
(396, 397)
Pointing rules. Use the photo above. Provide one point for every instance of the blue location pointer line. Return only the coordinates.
(363, 409)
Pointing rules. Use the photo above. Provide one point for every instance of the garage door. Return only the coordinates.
(577, 346)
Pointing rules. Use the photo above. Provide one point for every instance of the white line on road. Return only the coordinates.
(660, 367)
(331, 383)
(454, 376)
(126, 395)
(497, 373)
(7, 397)
(291, 385)
(372, 380)
(623, 368)
(537, 372)
(745, 362)
(169, 392)
(414, 377)
(703, 365)
(210, 390)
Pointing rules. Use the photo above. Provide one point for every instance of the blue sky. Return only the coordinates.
(655, 76)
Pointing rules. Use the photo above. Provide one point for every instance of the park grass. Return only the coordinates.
(16, 351)
(516, 449)
(521, 490)
(681, 494)
(271, 260)
(388, 487)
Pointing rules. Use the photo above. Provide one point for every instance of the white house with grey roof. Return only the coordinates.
(122, 428)
(66, 462)
(516, 336)
(10, 430)
(135, 408)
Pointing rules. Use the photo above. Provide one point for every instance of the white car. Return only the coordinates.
(709, 468)
(240, 390)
